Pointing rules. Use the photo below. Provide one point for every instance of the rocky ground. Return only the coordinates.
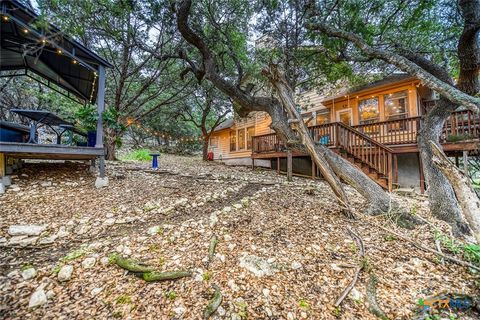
(283, 250)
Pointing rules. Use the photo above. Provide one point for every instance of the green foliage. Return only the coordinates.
(171, 295)
(138, 155)
(304, 304)
(123, 299)
(470, 252)
(87, 117)
(74, 255)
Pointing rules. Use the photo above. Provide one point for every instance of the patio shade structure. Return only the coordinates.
(48, 55)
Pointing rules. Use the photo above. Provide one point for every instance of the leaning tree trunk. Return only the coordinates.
(466, 196)
(284, 92)
(443, 202)
(329, 162)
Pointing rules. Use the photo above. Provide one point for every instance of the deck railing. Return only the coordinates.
(399, 131)
(460, 126)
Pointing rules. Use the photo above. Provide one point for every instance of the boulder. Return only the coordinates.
(89, 262)
(101, 182)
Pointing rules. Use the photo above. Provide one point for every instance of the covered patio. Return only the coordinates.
(56, 60)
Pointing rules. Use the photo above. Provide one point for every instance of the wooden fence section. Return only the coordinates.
(461, 126)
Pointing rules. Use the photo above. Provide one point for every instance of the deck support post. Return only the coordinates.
(314, 169)
(465, 162)
(395, 169)
(253, 163)
(422, 177)
(100, 106)
(278, 165)
(289, 165)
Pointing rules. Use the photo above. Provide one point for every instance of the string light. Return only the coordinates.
(74, 61)
(25, 30)
(59, 51)
(5, 18)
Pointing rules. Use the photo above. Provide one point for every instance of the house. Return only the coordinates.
(374, 126)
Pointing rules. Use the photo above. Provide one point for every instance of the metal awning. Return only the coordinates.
(49, 53)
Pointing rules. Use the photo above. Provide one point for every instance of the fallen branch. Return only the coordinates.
(168, 275)
(374, 308)
(213, 304)
(424, 248)
(359, 242)
(130, 264)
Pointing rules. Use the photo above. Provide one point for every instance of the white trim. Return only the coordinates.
(349, 110)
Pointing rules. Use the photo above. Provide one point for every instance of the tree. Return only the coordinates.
(204, 63)
(206, 109)
(429, 40)
(138, 85)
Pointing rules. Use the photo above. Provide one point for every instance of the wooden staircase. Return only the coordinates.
(370, 156)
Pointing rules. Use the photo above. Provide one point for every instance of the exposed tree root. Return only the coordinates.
(168, 275)
(130, 264)
(361, 248)
(211, 247)
(213, 304)
(374, 308)
(146, 272)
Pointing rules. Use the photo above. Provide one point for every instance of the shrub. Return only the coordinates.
(138, 155)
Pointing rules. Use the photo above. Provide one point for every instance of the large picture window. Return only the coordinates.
(214, 142)
(233, 140)
(241, 139)
(396, 105)
(250, 134)
(323, 118)
(368, 110)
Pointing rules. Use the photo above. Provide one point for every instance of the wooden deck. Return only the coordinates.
(49, 151)
(374, 147)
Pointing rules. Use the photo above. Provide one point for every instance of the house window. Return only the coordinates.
(214, 142)
(233, 140)
(250, 134)
(323, 118)
(396, 105)
(241, 139)
(368, 110)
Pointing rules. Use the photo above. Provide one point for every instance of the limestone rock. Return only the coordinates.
(26, 230)
(89, 262)
(38, 298)
(258, 266)
(29, 273)
(65, 273)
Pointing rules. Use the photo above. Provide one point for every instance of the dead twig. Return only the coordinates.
(361, 247)
(424, 248)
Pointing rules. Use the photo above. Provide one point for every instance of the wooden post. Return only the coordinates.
(465, 162)
(289, 165)
(390, 172)
(253, 163)
(278, 165)
(100, 105)
(313, 169)
(422, 177)
(395, 169)
(100, 109)
(2, 164)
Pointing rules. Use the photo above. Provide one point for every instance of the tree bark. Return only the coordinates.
(443, 202)
(466, 196)
(205, 148)
(284, 92)
(111, 145)
(379, 201)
